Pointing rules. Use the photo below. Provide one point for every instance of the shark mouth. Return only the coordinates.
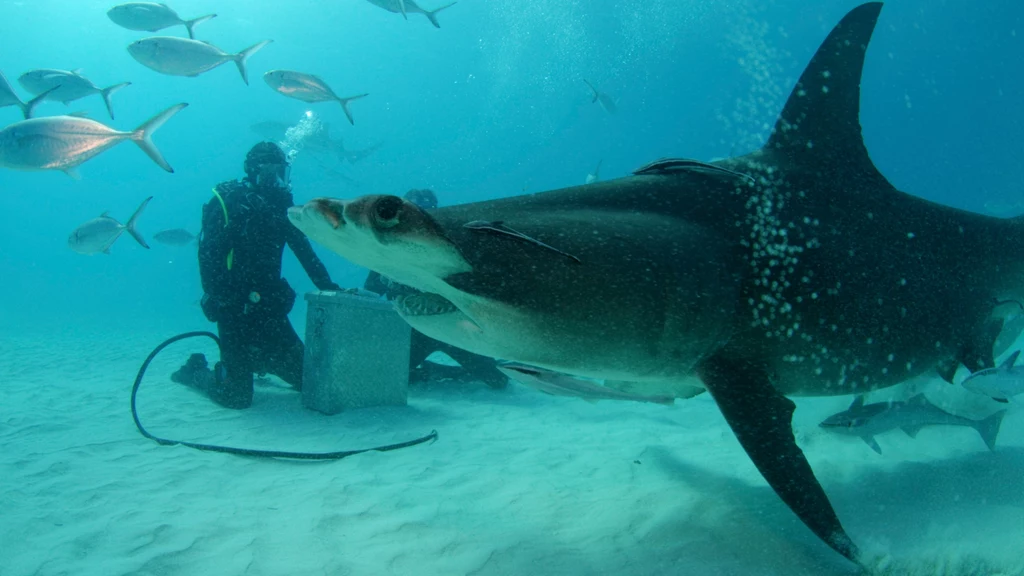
(423, 304)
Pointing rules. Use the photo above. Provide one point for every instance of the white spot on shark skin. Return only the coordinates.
(910, 235)
(824, 89)
(826, 74)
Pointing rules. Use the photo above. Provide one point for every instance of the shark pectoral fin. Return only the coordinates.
(910, 430)
(761, 418)
(870, 441)
(1003, 400)
(1010, 361)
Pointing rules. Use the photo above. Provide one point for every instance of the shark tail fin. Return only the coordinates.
(344, 106)
(242, 57)
(432, 14)
(592, 89)
(130, 226)
(143, 135)
(989, 428)
(820, 125)
(106, 93)
(191, 24)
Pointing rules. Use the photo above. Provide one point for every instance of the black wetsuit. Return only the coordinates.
(472, 366)
(240, 268)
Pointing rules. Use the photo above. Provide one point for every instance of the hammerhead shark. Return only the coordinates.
(796, 270)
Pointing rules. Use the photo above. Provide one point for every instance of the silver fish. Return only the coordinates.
(9, 98)
(1000, 383)
(185, 57)
(151, 17)
(308, 88)
(559, 384)
(97, 235)
(67, 85)
(600, 97)
(174, 237)
(65, 142)
(406, 7)
(868, 420)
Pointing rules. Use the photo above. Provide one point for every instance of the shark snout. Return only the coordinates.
(329, 210)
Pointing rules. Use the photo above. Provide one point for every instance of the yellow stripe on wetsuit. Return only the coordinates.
(231, 253)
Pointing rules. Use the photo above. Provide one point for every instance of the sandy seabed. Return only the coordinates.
(517, 483)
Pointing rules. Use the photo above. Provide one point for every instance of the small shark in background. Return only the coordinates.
(595, 175)
(558, 384)
(999, 383)
(406, 7)
(319, 141)
(97, 235)
(603, 99)
(868, 420)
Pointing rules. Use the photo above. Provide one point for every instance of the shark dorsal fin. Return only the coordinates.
(858, 402)
(1009, 362)
(820, 124)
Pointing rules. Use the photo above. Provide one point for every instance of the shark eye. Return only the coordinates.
(387, 211)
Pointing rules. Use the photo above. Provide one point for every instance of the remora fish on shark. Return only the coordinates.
(558, 384)
(1000, 383)
(817, 278)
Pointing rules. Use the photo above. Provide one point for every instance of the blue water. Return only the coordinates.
(492, 104)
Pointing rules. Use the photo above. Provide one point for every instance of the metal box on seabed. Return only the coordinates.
(357, 353)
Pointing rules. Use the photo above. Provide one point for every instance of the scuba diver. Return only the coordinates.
(245, 228)
(471, 366)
